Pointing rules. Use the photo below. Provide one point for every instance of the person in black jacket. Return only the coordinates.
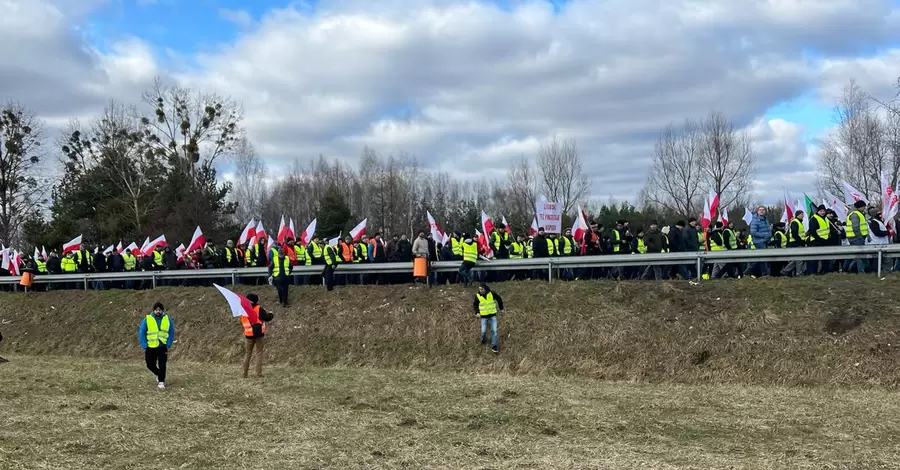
(487, 306)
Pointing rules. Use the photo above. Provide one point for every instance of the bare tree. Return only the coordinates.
(562, 173)
(522, 185)
(674, 180)
(863, 145)
(20, 153)
(727, 162)
(250, 189)
(115, 147)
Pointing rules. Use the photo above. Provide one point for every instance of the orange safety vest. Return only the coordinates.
(291, 254)
(248, 326)
(346, 252)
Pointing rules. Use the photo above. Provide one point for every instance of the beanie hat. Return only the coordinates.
(253, 298)
(158, 305)
(859, 204)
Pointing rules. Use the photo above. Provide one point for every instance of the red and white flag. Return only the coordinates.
(16, 263)
(197, 240)
(723, 216)
(481, 241)
(308, 233)
(713, 202)
(334, 241)
(145, 245)
(580, 229)
(120, 247)
(748, 216)
(706, 218)
(436, 233)
(890, 204)
(248, 233)
(37, 254)
(159, 241)
(73, 245)
(239, 305)
(109, 250)
(44, 251)
(291, 227)
(533, 230)
(284, 231)
(179, 253)
(358, 231)
(446, 239)
(260, 231)
(506, 226)
(788, 215)
(487, 225)
(133, 247)
(852, 195)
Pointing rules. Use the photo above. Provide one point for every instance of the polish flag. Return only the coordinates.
(260, 231)
(291, 227)
(120, 247)
(533, 230)
(488, 226)
(481, 241)
(506, 224)
(358, 231)
(179, 253)
(308, 233)
(248, 233)
(197, 240)
(44, 251)
(713, 202)
(748, 216)
(145, 245)
(160, 241)
(37, 254)
(890, 204)
(723, 216)
(788, 214)
(436, 233)
(446, 239)
(284, 232)
(706, 218)
(580, 229)
(133, 247)
(852, 195)
(109, 250)
(334, 241)
(73, 245)
(16, 263)
(240, 306)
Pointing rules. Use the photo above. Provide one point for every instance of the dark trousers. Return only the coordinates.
(156, 361)
(329, 277)
(281, 285)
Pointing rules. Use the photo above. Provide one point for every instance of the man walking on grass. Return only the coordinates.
(255, 335)
(487, 306)
(156, 335)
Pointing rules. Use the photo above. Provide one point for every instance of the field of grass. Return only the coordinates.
(67, 413)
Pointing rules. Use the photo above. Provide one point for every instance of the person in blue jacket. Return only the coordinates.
(156, 335)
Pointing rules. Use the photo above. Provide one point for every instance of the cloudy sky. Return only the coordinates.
(469, 86)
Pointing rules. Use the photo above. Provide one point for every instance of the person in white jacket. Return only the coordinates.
(878, 232)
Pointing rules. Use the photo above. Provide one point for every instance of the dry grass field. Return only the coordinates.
(70, 413)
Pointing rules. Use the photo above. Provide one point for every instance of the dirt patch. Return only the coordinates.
(840, 322)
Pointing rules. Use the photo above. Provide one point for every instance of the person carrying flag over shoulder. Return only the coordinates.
(487, 306)
(156, 335)
(254, 323)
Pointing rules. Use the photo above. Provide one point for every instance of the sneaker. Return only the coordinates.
(495, 349)
(483, 341)
(161, 385)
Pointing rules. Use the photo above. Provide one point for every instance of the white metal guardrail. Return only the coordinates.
(698, 259)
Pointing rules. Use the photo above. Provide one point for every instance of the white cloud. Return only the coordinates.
(476, 87)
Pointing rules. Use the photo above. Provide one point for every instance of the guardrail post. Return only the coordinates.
(699, 267)
(549, 270)
(879, 262)
(85, 282)
(233, 277)
(153, 278)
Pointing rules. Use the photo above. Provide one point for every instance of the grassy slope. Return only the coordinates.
(67, 413)
(831, 330)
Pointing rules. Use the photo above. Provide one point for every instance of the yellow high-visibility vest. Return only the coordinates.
(157, 334)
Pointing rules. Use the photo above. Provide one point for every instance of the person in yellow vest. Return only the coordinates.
(255, 335)
(517, 251)
(280, 274)
(470, 258)
(796, 239)
(856, 229)
(819, 234)
(156, 335)
(487, 306)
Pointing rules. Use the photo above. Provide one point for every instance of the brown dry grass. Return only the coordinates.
(827, 330)
(68, 413)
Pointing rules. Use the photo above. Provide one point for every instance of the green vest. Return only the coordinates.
(157, 334)
(732, 240)
(456, 247)
(713, 245)
(516, 250)
(642, 247)
(824, 232)
(863, 225)
(487, 306)
(281, 266)
(129, 261)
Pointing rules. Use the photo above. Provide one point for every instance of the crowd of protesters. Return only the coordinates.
(823, 229)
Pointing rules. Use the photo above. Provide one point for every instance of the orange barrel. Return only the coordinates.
(26, 280)
(420, 267)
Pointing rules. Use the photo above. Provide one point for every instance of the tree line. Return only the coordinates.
(137, 171)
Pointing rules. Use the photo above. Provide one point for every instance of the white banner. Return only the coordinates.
(549, 216)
